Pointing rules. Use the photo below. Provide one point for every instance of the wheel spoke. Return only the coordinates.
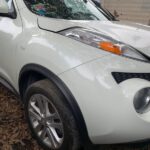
(40, 104)
(35, 108)
(43, 134)
(52, 116)
(56, 125)
(35, 115)
(46, 108)
(52, 138)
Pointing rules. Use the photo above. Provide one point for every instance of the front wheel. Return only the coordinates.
(49, 117)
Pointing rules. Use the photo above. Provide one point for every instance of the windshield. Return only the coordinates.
(66, 9)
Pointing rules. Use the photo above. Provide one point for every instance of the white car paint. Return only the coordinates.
(3, 6)
(107, 107)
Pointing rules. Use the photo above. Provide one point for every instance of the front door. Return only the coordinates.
(10, 29)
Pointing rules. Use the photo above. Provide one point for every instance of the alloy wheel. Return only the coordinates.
(46, 121)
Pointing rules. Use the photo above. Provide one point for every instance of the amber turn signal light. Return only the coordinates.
(110, 47)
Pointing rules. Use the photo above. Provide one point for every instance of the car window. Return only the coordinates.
(66, 9)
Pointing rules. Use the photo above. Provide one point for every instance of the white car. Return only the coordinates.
(83, 78)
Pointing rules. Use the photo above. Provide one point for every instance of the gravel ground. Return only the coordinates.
(14, 132)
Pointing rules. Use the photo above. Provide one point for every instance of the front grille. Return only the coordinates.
(120, 76)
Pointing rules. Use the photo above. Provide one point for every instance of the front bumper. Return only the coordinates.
(107, 106)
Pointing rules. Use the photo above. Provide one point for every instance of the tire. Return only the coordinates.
(57, 124)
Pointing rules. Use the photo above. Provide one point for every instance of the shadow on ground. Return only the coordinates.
(14, 132)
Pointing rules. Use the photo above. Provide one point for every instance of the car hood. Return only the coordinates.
(134, 34)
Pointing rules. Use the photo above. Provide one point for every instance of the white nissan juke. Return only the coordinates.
(82, 76)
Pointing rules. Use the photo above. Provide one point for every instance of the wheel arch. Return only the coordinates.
(42, 72)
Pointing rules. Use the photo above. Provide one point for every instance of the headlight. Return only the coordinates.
(103, 42)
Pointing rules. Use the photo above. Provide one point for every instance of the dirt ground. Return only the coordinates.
(14, 132)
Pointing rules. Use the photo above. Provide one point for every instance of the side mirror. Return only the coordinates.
(4, 7)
